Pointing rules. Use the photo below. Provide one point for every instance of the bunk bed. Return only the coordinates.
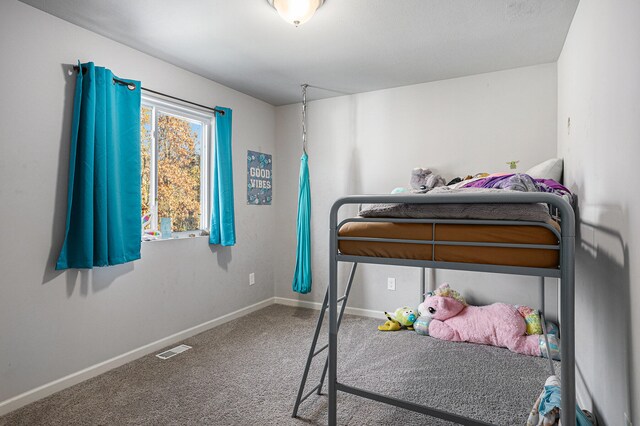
(520, 247)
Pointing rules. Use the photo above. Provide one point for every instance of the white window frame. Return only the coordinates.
(194, 115)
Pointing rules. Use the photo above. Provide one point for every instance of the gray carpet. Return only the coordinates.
(247, 373)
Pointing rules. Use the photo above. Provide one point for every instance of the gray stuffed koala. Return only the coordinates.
(423, 180)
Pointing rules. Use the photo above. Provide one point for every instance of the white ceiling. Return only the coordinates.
(349, 45)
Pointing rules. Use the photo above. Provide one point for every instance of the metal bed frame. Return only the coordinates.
(565, 272)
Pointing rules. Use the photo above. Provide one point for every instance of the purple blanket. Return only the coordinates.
(520, 182)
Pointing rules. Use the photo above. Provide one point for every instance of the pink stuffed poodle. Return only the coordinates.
(498, 324)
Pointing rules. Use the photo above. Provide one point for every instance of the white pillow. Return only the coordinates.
(550, 169)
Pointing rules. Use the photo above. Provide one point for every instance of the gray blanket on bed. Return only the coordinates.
(528, 212)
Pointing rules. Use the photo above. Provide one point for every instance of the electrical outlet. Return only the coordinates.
(252, 278)
(391, 284)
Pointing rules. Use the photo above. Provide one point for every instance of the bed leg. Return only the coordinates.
(432, 279)
(333, 326)
(567, 331)
(427, 285)
(552, 370)
(423, 284)
(541, 283)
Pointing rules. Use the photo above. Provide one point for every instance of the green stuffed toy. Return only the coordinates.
(403, 317)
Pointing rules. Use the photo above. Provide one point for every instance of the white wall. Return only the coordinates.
(369, 143)
(56, 323)
(599, 91)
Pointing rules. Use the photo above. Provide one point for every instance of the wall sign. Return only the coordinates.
(259, 178)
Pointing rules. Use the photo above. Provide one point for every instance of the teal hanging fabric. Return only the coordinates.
(302, 275)
(223, 229)
(103, 200)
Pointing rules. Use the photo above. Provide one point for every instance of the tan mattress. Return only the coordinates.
(509, 256)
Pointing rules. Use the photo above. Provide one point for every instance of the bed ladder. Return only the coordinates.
(313, 352)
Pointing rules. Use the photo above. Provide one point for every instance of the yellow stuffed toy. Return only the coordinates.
(403, 317)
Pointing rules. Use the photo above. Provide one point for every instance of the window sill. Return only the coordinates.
(187, 235)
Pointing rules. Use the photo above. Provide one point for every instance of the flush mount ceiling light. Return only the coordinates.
(296, 12)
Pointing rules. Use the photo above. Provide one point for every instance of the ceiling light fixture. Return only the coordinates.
(296, 12)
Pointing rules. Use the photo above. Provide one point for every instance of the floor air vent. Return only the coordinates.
(173, 352)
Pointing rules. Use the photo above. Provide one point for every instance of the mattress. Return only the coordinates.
(508, 256)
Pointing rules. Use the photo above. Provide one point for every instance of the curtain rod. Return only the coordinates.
(126, 83)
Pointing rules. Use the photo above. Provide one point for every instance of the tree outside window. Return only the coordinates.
(174, 167)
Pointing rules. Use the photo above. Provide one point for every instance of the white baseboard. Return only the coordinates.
(316, 305)
(45, 390)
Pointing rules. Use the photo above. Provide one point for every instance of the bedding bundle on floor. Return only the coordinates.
(546, 409)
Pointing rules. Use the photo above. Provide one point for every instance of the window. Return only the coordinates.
(175, 166)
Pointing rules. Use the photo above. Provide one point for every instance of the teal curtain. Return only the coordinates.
(302, 275)
(223, 228)
(103, 199)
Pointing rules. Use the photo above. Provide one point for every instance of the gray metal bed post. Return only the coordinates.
(541, 282)
(432, 279)
(543, 324)
(567, 314)
(424, 288)
(333, 314)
